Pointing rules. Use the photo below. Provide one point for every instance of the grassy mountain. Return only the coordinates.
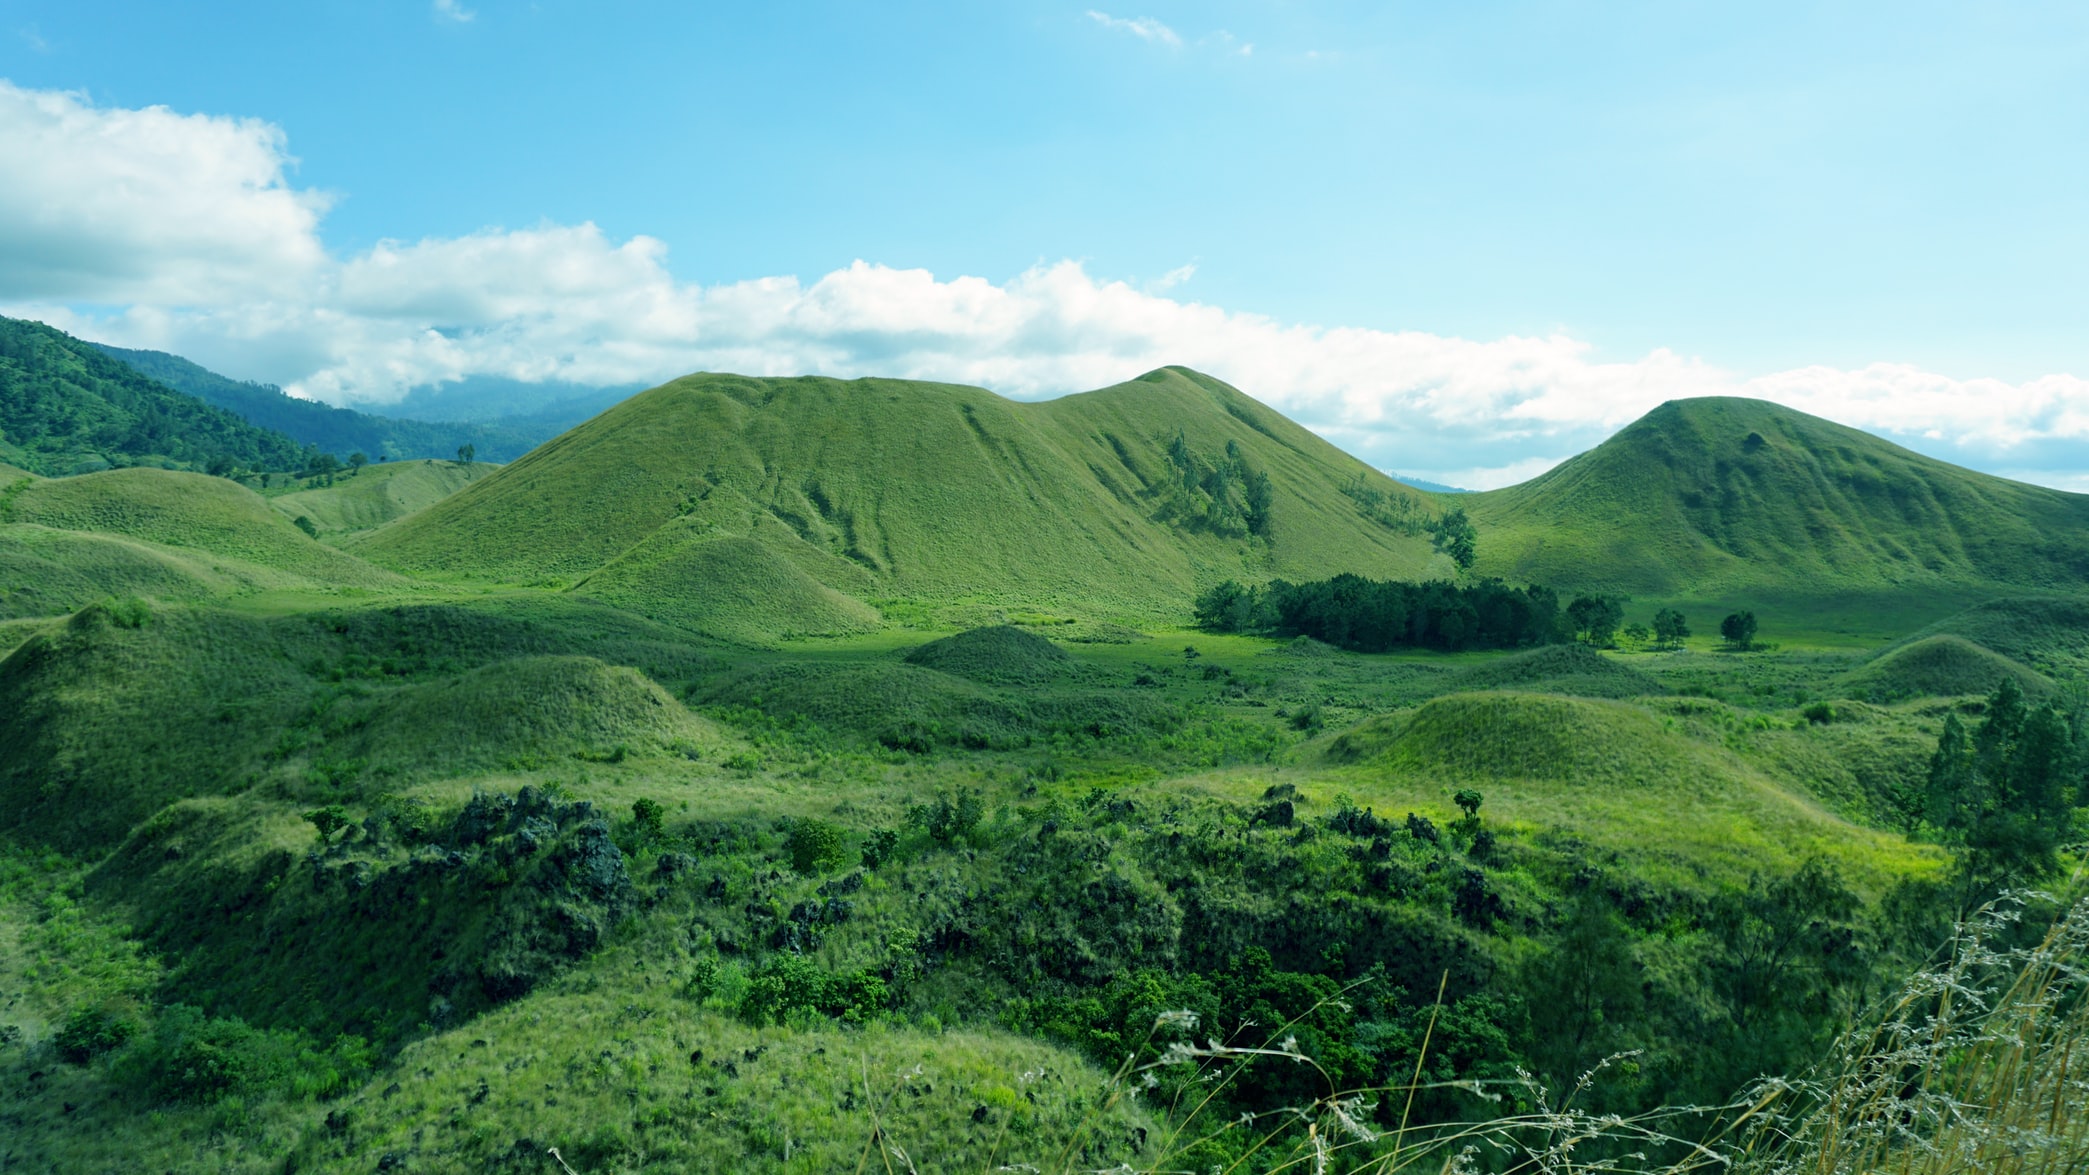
(1720, 496)
(885, 490)
(65, 407)
(342, 431)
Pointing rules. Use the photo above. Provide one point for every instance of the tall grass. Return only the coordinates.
(1970, 1067)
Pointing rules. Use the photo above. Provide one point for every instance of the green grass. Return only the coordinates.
(1003, 653)
(377, 494)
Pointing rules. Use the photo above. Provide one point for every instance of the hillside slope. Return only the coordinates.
(888, 489)
(377, 494)
(1720, 494)
(65, 407)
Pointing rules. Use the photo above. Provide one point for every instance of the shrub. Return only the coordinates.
(791, 983)
(950, 818)
(815, 846)
(90, 1032)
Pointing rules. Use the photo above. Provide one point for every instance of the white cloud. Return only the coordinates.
(34, 38)
(451, 10)
(148, 228)
(1143, 27)
(112, 205)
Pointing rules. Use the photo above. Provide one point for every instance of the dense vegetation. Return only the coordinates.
(311, 864)
(65, 407)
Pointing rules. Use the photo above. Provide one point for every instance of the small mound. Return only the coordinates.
(1940, 666)
(1522, 736)
(1305, 646)
(737, 589)
(1572, 669)
(524, 709)
(1003, 654)
(2043, 632)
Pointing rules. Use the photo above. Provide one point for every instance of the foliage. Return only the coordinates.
(1738, 630)
(1454, 534)
(815, 846)
(91, 1032)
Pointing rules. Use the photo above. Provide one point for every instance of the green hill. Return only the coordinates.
(1940, 666)
(189, 511)
(1720, 496)
(65, 407)
(888, 489)
(342, 431)
(377, 494)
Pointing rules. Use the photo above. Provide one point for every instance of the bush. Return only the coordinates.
(90, 1032)
(950, 818)
(791, 983)
(815, 847)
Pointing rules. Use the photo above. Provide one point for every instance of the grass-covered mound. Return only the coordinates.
(1005, 654)
(2047, 633)
(523, 710)
(738, 589)
(1718, 494)
(1667, 791)
(1522, 736)
(127, 707)
(377, 494)
(189, 511)
(1940, 666)
(1117, 502)
(1572, 669)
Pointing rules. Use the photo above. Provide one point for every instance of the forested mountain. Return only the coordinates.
(342, 431)
(65, 407)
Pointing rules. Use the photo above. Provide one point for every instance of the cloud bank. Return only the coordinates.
(185, 233)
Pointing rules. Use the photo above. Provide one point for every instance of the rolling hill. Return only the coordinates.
(1123, 501)
(1718, 496)
(377, 494)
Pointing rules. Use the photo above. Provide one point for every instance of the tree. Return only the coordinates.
(1228, 607)
(1738, 629)
(1456, 536)
(328, 820)
(467, 453)
(1598, 617)
(356, 461)
(1953, 801)
(1669, 627)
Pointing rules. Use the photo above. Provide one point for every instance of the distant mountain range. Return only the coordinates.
(407, 431)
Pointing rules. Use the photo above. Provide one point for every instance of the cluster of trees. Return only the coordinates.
(1228, 495)
(1373, 616)
(2005, 793)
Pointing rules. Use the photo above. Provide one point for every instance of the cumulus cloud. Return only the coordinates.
(112, 205)
(1143, 27)
(181, 233)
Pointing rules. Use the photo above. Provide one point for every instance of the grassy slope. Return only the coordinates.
(378, 494)
(189, 511)
(1683, 503)
(884, 488)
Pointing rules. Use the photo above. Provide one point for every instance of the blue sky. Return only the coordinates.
(1592, 206)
